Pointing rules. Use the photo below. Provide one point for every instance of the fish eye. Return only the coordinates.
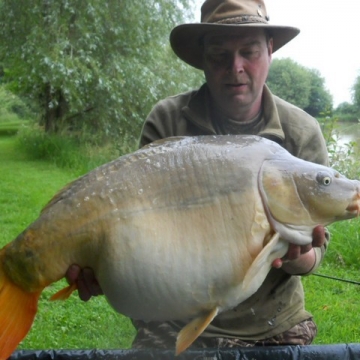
(323, 179)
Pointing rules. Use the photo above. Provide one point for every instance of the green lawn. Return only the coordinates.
(27, 185)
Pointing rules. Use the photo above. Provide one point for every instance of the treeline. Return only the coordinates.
(99, 67)
(306, 89)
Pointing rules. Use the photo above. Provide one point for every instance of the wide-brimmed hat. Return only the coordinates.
(225, 17)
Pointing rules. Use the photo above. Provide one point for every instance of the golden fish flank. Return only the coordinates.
(184, 228)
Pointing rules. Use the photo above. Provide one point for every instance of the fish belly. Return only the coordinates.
(176, 263)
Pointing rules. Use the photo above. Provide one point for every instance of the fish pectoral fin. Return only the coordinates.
(64, 293)
(193, 330)
(17, 312)
(260, 267)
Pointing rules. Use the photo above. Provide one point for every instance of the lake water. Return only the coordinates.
(348, 133)
(343, 158)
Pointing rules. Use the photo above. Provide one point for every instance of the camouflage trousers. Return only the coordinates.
(163, 336)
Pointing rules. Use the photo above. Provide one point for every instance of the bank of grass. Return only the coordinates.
(27, 184)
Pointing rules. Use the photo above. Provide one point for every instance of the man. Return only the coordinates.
(233, 45)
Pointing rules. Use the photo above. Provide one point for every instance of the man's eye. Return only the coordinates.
(251, 54)
(217, 57)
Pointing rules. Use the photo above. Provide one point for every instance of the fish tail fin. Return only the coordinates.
(193, 330)
(64, 293)
(17, 312)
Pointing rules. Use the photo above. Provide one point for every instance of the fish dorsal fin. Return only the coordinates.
(193, 330)
(260, 267)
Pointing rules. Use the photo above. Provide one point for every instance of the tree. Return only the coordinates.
(345, 108)
(101, 65)
(356, 93)
(290, 81)
(320, 100)
(300, 86)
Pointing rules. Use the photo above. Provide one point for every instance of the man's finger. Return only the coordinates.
(305, 248)
(72, 273)
(318, 236)
(91, 282)
(277, 263)
(293, 252)
(84, 293)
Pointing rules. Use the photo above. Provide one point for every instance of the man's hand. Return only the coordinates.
(301, 259)
(85, 280)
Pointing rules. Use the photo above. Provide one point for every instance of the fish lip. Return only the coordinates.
(353, 208)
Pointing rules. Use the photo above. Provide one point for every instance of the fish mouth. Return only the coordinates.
(354, 207)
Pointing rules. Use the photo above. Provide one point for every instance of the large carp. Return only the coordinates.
(185, 228)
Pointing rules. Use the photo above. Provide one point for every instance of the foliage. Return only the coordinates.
(356, 94)
(342, 158)
(299, 85)
(12, 106)
(77, 154)
(93, 64)
(350, 111)
(13, 112)
(347, 112)
(320, 99)
(289, 81)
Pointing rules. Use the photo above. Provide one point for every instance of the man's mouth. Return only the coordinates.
(236, 86)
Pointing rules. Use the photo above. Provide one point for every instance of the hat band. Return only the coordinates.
(244, 19)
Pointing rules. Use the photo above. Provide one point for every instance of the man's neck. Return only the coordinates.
(241, 114)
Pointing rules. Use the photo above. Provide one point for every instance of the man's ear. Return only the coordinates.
(270, 46)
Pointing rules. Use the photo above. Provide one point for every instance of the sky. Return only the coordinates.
(328, 41)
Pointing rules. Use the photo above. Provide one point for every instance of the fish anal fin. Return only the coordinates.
(260, 267)
(17, 312)
(64, 293)
(193, 330)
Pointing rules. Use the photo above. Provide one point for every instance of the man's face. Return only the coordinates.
(236, 68)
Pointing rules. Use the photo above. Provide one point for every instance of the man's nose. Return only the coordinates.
(237, 65)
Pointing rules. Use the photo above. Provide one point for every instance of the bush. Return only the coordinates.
(349, 117)
(13, 112)
(12, 107)
(70, 152)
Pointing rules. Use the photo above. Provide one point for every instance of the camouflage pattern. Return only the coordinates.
(163, 336)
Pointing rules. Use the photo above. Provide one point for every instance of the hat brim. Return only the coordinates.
(185, 39)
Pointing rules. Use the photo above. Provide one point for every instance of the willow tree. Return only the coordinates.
(98, 64)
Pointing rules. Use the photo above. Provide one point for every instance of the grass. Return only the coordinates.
(26, 186)
(335, 304)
